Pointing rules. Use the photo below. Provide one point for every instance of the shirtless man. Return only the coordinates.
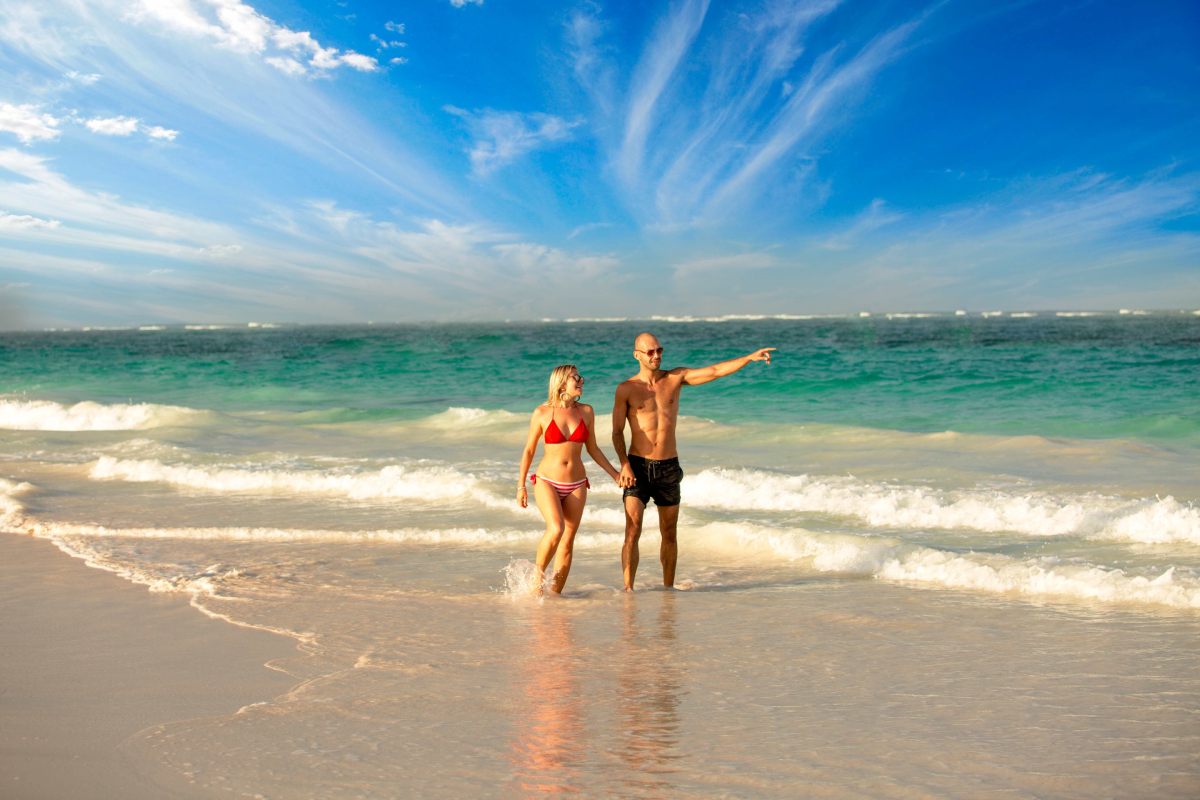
(649, 403)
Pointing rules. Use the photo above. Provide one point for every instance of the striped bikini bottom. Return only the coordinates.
(563, 489)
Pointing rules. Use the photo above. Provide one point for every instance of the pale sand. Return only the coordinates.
(90, 659)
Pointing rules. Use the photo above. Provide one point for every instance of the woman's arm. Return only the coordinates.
(535, 431)
(589, 416)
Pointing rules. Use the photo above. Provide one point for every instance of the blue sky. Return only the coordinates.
(215, 161)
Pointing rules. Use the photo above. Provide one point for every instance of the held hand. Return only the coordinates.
(523, 497)
(626, 479)
(763, 354)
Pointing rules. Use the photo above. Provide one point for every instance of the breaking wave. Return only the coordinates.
(893, 560)
(1147, 521)
(46, 415)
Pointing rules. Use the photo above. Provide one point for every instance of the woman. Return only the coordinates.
(560, 485)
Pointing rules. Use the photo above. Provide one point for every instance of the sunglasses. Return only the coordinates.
(657, 351)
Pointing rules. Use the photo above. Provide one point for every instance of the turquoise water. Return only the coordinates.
(1106, 376)
(950, 557)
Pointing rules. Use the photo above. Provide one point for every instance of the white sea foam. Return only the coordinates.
(882, 558)
(741, 317)
(420, 483)
(45, 415)
(392, 482)
(1156, 521)
(889, 559)
(12, 511)
(469, 537)
(469, 420)
(522, 579)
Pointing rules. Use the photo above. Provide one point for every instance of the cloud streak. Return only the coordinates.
(239, 27)
(501, 137)
(28, 123)
(660, 60)
(715, 107)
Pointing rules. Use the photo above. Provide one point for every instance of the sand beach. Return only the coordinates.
(90, 659)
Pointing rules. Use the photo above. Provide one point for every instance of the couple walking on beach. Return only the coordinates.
(649, 404)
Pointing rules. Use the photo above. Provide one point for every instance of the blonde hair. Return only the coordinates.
(558, 379)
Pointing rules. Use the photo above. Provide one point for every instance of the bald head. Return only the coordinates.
(647, 350)
(645, 341)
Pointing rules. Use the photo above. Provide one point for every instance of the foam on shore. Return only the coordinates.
(46, 415)
(1147, 521)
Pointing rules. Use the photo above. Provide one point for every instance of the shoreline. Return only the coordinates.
(91, 660)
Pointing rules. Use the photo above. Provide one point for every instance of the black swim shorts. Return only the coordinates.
(657, 480)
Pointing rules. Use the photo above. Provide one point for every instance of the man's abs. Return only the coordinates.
(657, 445)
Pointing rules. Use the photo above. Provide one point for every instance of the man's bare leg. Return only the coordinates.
(634, 509)
(668, 552)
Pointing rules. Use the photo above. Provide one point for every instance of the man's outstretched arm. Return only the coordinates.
(695, 377)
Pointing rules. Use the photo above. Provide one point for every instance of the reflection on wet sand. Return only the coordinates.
(649, 689)
(548, 751)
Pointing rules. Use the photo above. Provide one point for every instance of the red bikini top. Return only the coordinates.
(554, 434)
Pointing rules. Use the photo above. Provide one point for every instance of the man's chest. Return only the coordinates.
(653, 400)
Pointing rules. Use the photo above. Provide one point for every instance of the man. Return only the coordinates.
(649, 403)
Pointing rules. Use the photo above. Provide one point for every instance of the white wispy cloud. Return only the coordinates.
(26, 222)
(385, 44)
(580, 230)
(360, 62)
(221, 251)
(501, 137)
(86, 80)
(716, 112)
(725, 264)
(287, 65)
(158, 132)
(747, 77)
(113, 126)
(194, 261)
(98, 219)
(660, 59)
(822, 99)
(240, 27)
(877, 215)
(169, 51)
(462, 3)
(461, 270)
(124, 125)
(1040, 241)
(593, 68)
(28, 122)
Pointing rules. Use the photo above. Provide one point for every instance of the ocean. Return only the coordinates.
(943, 555)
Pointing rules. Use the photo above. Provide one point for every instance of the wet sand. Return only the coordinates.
(90, 660)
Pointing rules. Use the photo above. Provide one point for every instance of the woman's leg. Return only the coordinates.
(572, 512)
(552, 512)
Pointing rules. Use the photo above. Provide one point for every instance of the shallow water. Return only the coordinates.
(919, 557)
